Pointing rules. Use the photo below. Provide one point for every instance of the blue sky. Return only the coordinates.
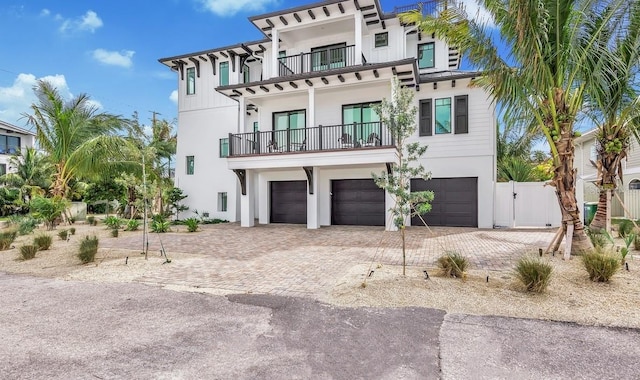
(109, 49)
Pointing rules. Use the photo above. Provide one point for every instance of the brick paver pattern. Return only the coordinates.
(292, 260)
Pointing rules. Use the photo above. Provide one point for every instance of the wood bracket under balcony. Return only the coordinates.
(308, 170)
(197, 64)
(212, 58)
(242, 177)
(180, 64)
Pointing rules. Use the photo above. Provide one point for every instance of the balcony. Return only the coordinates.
(319, 60)
(356, 136)
(432, 7)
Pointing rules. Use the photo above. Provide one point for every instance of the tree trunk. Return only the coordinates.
(404, 256)
(599, 221)
(564, 181)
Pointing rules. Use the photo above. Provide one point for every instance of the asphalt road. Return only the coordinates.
(51, 329)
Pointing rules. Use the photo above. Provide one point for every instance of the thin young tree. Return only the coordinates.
(553, 52)
(399, 116)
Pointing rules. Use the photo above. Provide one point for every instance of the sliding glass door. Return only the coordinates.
(361, 121)
(289, 130)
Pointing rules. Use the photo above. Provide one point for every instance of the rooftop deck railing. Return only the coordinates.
(432, 7)
(314, 139)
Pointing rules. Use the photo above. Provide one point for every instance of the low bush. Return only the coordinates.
(600, 265)
(113, 222)
(25, 224)
(453, 264)
(160, 224)
(534, 274)
(7, 237)
(91, 220)
(63, 234)
(28, 251)
(598, 239)
(115, 232)
(192, 224)
(88, 249)
(72, 230)
(133, 225)
(625, 227)
(43, 242)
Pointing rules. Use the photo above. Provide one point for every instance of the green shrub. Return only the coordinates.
(7, 237)
(133, 225)
(600, 265)
(88, 249)
(63, 234)
(91, 220)
(115, 232)
(25, 224)
(453, 264)
(113, 222)
(48, 209)
(625, 227)
(624, 251)
(72, 220)
(28, 251)
(192, 224)
(72, 230)
(43, 242)
(533, 273)
(160, 224)
(598, 239)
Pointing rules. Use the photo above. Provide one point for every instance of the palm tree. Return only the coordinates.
(80, 141)
(614, 105)
(553, 45)
(32, 172)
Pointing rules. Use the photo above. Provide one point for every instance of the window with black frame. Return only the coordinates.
(361, 124)
(329, 57)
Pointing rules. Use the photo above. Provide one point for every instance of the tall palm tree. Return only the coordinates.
(32, 173)
(79, 140)
(614, 105)
(553, 45)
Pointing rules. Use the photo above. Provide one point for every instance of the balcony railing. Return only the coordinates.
(432, 7)
(315, 139)
(320, 60)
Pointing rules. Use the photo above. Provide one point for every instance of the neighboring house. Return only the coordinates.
(628, 190)
(282, 129)
(12, 140)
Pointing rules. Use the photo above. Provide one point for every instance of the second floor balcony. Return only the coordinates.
(356, 136)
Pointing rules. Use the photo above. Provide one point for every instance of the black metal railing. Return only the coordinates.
(319, 60)
(432, 7)
(315, 139)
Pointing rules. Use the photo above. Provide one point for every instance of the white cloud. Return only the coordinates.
(480, 13)
(17, 98)
(228, 8)
(114, 58)
(45, 12)
(94, 103)
(174, 96)
(90, 21)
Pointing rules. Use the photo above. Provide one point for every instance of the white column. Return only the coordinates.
(242, 114)
(358, 38)
(275, 48)
(247, 204)
(313, 201)
(263, 203)
(311, 122)
(389, 202)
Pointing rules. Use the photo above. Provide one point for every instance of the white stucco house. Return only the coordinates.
(12, 140)
(282, 130)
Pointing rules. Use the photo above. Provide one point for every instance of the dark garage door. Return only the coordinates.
(357, 202)
(455, 202)
(289, 202)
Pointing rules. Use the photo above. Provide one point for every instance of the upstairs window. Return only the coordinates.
(382, 39)
(224, 147)
(190, 165)
(191, 80)
(426, 56)
(246, 74)
(634, 184)
(224, 73)
(9, 144)
(329, 57)
(443, 116)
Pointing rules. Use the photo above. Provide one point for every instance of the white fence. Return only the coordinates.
(526, 204)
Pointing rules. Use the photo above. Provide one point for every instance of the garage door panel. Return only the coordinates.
(357, 202)
(289, 202)
(455, 201)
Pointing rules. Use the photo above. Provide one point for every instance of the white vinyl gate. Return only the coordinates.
(526, 204)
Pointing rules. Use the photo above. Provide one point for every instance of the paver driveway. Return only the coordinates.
(292, 260)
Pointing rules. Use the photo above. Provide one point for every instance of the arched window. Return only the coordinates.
(634, 184)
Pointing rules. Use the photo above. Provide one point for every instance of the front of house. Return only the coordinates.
(12, 140)
(282, 130)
